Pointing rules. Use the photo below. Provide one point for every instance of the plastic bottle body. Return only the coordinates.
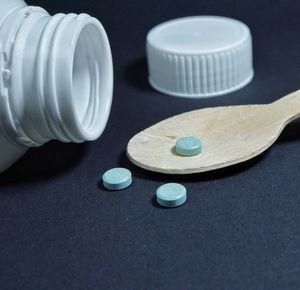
(56, 78)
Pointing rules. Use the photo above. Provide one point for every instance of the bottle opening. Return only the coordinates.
(60, 77)
(92, 81)
(82, 78)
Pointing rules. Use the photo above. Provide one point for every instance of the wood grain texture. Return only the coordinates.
(230, 135)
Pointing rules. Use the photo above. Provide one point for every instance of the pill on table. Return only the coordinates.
(171, 195)
(117, 178)
(188, 146)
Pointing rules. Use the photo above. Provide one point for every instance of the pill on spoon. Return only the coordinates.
(188, 146)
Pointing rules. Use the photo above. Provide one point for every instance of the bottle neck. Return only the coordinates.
(8, 5)
(57, 77)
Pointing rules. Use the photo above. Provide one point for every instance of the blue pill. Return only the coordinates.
(188, 146)
(117, 178)
(171, 195)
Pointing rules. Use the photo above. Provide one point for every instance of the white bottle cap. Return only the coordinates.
(200, 56)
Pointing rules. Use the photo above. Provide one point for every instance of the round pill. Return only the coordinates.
(188, 146)
(171, 195)
(117, 178)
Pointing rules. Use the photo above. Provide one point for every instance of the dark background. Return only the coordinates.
(240, 228)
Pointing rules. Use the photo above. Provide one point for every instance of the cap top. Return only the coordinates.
(198, 34)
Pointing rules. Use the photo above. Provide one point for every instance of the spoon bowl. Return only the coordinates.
(230, 135)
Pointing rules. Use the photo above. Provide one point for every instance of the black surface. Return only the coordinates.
(240, 228)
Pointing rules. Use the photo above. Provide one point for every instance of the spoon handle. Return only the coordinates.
(288, 107)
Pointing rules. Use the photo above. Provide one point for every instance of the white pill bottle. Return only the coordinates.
(56, 79)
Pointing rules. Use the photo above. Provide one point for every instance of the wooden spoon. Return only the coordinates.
(230, 135)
